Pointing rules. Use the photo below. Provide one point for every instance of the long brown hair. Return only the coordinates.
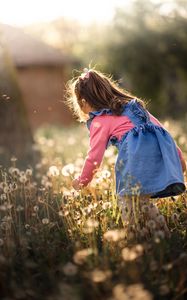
(99, 91)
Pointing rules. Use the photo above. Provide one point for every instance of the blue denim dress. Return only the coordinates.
(148, 161)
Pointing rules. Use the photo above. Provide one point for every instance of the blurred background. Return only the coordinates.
(142, 43)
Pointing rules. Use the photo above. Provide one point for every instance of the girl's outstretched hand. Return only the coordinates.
(76, 185)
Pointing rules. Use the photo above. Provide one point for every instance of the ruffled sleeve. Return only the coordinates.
(99, 135)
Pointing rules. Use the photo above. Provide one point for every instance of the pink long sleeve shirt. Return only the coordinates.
(102, 128)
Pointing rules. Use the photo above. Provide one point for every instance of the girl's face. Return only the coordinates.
(85, 107)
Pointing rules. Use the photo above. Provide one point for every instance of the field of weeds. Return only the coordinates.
(57, 243)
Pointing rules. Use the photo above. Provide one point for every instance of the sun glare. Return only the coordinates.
(21, 12)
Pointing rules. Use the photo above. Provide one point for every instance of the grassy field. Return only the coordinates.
(56, 243)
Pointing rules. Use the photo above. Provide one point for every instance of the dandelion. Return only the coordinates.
(36, 208)
(91, 223)
(45, 221)
(6, 189)
(13, 159)
(23, 179)
(106, 205)
(119, 292)
(114, 235)
(159, 234)
(28, 172)
(68, 170)
(160, 219)
(129, 254)
(99, 275)
(164, 289)
(27, 226)
(151, 224)
(53, 171)
(70, 269)
(3, 197)
(105, 174)
(81, 255)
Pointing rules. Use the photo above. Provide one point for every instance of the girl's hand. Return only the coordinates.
(76, 185)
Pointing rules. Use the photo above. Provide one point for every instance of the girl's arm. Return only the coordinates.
(183, 163)
(99, 135)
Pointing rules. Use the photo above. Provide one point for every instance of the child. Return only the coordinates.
(149, 163)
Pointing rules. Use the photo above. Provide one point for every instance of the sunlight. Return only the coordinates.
(23, 12)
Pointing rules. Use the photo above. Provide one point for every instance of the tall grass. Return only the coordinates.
(56, 243)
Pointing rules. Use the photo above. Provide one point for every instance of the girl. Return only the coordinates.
(149, 163)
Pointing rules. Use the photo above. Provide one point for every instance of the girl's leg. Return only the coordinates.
(140, 212)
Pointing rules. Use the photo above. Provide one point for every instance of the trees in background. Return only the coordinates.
(148, 48)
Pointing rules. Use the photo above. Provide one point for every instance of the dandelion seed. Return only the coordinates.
(28, 172)
(45, 221)
(105, 174)
(23, 179)
(70, 269)
(53, 171)
(6, 189)
(129, 254)
(99, 275)
(106, 205)
(119, 292)
(27, 226)
(36, 208)
(114, 235)
(161, 220)
(159, 234)
(81, 255)
(151, 224)
(68, 170)
(13, 159)
(3, 197)
(91, 223)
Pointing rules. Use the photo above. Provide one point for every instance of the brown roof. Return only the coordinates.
(27, 50)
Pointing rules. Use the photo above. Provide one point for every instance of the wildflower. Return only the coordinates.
(70, 269)
(114, 235)
(53, 171)
(99, 275)
(45, 221)
(68, 170)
